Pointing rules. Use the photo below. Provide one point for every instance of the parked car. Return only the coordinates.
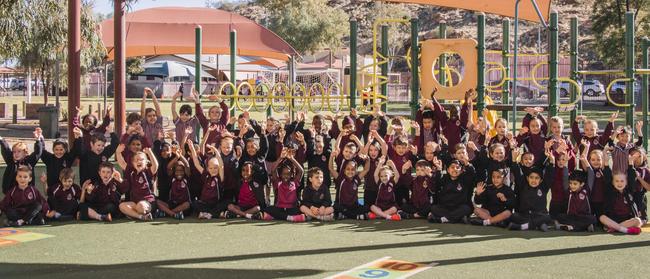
(592, 87)
(17, 84)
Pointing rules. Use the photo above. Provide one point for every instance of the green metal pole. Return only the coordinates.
(442, 60)
(384, 67)
(415, 67)
(505, 60)
(552, 66)
(574, 63)
(480, 86)
(353, 62)
(197, 58)
(292, 81)
(629, 68)
(233, 68)
(645, 45)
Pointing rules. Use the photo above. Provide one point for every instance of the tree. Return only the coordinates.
(608, 27)
(225, 5)
(398, 33)
(307, 25)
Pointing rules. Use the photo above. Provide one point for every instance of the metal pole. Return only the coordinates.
(480, 86)
(119, 66)
(645, 45)
(415, 66)
(505, 60)
(629, 68)
(353, 62)
(198, 43)
(442, 60)
(233, 68)
(292, 81)
(105, 84)
(552, 66)
(384, 67)
(514, 73)
(74, 60)
(57, 71)
(574, 64)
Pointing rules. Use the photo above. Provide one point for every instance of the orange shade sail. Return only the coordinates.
(497, 7)
(170, 30)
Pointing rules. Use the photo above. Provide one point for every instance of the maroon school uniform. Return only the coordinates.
(621, 205)
(215, 136)
(560, 178)
(534, 144)
(452, 127)
(405, 178)
(179, 191)
(65, 200)
(18, 199)
(287, 193)
(598, 189)
(386, 196)
(103, 194)
(596, 142)
(578, 203)
(138, 185)
(212, 191)
(347, 190)
(369, 183)
(420, 189)
(246, 197)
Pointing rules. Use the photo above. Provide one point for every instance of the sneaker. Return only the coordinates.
(38, 221)
(208, 216)
(147, 217)
(229, 215)
(160, 214)
(179, 215)
(633, 230)
(403, 215)
(543, 227)
(514, 227)
(202, 215)
(372, 216)
(476, 221)
(434, 219)
(591, 228)
(396, 217)
(257, 216)
(298, 218)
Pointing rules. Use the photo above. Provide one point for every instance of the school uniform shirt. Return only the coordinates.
(456, 192)
(215, 136)
(578, 202)
(139, 185)
(179, 191)
(230, 167)
(485, 165)
(103, 194)
(422, 191)
(477, 138)
(405, 178)
(596, 142)
(260, 173)
(426, 135)
(287, 193)
(597, 180)
(54, 165)
(89, 161)
(335, 131)
(489, 200)
(559, 185)
(65, 199)
(347, 190)
(212, 190)
(316, 198)
(246, 197)
(534, 143)
(19, 199)
(382, 129)
(180, 127)
(321, 162)
(151, 131)
(9, 177)
(369, 182)
(386, 195)
(570, 151)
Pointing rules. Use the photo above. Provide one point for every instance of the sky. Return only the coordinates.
(106, 6)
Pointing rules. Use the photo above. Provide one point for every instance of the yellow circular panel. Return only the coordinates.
(431, 50)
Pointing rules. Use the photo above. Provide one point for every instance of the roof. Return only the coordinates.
(170, 30)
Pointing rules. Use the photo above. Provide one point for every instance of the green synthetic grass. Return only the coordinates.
(166, 248)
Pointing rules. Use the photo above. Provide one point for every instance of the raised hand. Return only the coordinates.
(480, 188)
(613, 117)
(189, 130)
(77, 132)
(147, 92)
(580, 118)
(38, 133)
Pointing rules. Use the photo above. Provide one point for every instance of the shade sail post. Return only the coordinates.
(233, 68)
(198, 33)
(119, 68)
(74, 61)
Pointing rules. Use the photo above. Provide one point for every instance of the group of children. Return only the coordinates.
(451, 169)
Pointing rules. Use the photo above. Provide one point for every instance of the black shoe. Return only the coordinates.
(257, 216)
(476, 221)
(514, 227)
(38, 221)
(229, 215)
(404, 215)
(434, 219)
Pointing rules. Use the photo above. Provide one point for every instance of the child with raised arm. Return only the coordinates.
(138, 184)
(152, 124)
(90, 159)
(218, 117)
(385, 205)
(497, 201)
(17, 156)
(178, 199)
(286, 180)
(375, 148)
(623, 146)
(347, 183)
(590, 133)
(454, 193)
(60, 158)
(578, 216)
(423, 194)
(88, 125)
(453, 125)
(99, 199)
(250, 199)
(211, 202)
(184, 119)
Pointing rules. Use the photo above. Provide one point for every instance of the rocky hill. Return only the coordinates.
(462, 24)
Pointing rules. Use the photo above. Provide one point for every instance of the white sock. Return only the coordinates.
(444, 220)
(524, 227)
(388, 217)
(290, 218)
(486, 222)
(248, 215)
(622, 229)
